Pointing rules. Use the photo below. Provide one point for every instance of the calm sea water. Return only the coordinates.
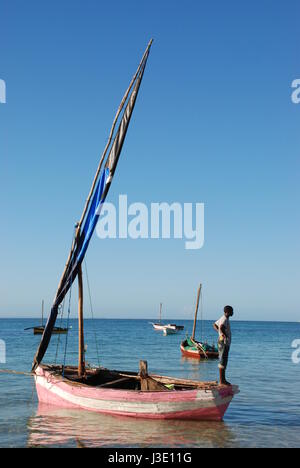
(265, 414)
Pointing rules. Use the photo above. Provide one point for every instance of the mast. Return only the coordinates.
(196, 312)
(81, 368)
(160, 307)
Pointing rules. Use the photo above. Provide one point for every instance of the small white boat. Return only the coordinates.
(169, 330)
(158, 325)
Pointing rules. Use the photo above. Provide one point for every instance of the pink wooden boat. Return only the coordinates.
(138, 395)
(180, 399)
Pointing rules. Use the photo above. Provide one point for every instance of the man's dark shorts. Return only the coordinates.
(223, 354)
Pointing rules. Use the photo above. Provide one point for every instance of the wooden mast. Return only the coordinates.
(196, 312)
(81, 367)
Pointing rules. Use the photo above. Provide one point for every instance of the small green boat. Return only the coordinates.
(198, 349)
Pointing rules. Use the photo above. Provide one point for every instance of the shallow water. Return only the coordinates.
(266, 413)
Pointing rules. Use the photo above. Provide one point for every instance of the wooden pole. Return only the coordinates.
(80, 326)
(196, 312)
(148, 383)
(143, 369)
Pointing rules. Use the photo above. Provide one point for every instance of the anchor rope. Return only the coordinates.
(11, 371)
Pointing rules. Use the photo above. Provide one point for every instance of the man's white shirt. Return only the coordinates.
(224, 322)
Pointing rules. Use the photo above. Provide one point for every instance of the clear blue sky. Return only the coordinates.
(214, 123)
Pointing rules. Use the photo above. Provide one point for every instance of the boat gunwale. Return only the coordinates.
(191, 385)
(197, 352)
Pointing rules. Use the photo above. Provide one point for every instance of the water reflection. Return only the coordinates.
(54, 427)
(199, 369)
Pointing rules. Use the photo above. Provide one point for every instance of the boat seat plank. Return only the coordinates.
(113, 382)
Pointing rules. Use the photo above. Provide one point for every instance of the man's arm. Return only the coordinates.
(223, 330)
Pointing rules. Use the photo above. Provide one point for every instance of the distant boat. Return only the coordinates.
(56, 330)
(198, 349)
(178, 327)
(135, 394)
(39, 330)
(159, 325)
(169, 328)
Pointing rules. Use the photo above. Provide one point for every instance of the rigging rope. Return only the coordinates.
(69, 308)
(92, 312)
(68, 321)
(10, 371)
(201, 308)
(61, 311)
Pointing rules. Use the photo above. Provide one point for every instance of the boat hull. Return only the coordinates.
(171, 327)
(169, 331)
(157, 326)
(194, 404)
(56, 331)
(190, 352)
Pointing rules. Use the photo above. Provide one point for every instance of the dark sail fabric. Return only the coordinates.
(99, 196)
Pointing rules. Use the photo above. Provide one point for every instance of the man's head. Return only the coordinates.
(228, 311)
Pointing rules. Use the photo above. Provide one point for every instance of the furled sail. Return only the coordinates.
(92, 210)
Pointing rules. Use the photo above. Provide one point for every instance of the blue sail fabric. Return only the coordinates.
(93, 215)
(85, 236)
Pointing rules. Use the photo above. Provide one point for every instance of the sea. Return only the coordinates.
(263, 362)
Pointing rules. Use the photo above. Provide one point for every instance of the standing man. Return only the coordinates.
(222, 326)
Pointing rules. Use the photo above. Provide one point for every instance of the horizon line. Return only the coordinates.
(151, 319)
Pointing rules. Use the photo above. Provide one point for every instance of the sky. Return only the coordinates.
(214, 123)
